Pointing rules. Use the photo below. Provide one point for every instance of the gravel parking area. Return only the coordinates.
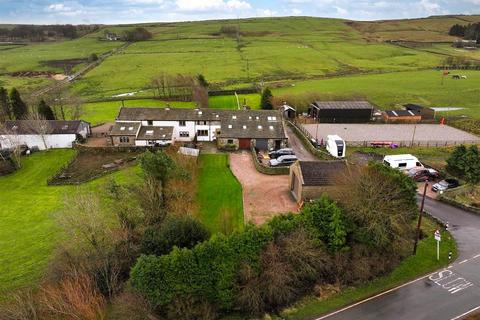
(398, 133)
(264, 196)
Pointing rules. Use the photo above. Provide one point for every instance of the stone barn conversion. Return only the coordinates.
(230, 129)
(310, 179)
(341, 111)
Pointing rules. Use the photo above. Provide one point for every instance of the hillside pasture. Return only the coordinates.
(268, 49)
(390, 90)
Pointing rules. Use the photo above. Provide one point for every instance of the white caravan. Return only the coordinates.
(336, 146)
(402, 161)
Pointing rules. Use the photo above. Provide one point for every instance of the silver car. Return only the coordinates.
(283, 161)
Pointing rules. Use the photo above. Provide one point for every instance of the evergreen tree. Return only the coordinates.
(266, 102)
(5, 112)
(472, 169)
(45, 111)
(18, 107)
(456, 164)
(202, 81)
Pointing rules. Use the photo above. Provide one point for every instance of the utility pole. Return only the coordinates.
(413, 136)
(417, 237)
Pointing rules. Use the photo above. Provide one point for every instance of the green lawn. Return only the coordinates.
(389, 90)
(219, 194)
(424, 262)
(28, 233)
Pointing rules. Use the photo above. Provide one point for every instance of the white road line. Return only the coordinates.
(466, 313)
(462, 262)
(371, 298)
(478, 255)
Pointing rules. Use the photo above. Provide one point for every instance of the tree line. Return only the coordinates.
(12, 107)
(44, 32)
(182, 87)
(470, 31)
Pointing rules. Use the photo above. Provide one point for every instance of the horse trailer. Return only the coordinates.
(336, 146)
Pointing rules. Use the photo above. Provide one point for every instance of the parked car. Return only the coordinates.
(280, 152)
(445, 185)
(285, 160)
(423, 174)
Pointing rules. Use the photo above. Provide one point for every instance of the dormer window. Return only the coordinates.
(122, 128)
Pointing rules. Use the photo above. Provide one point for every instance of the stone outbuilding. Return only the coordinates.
(310, 179)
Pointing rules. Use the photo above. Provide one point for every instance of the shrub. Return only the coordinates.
(465, 163)
(182, 232)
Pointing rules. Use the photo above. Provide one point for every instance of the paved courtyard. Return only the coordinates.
(264, 196)
(422, 134)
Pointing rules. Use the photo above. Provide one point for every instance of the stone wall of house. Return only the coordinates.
(116, 141)
(228, 144)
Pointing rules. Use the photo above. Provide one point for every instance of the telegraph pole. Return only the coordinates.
(417, 237)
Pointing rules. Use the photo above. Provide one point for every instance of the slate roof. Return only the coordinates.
(254, 124)
(346, 105)
(30, 126)
(125, 129)
(321, 173)
(400, 113)
(155, 133)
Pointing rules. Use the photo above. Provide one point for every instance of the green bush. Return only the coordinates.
(465, 163)
(182, 232)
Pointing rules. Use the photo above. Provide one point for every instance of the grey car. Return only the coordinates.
(283, 161)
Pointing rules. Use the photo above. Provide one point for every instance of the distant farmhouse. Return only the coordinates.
(235, 129)
(341, 111)
(465, 44)
(43, 134)
(112, 36)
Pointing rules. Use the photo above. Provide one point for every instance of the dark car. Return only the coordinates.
(445, 185)
(281, 152)
(423, 174)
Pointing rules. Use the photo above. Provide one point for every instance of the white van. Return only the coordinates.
(402, 161)
(336, 146)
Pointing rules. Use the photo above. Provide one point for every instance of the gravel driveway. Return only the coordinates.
(264, 196)
(296, 144)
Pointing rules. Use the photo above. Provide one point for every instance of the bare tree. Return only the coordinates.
(36, 123)
(10, 139)
(66, 104)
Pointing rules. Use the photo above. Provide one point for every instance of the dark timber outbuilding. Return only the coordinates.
(341, 111)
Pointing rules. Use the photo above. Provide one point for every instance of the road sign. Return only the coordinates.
(438, 237)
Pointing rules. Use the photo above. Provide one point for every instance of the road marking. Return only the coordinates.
(453, 284)
(462, 262)
(464, 314)
(371, 298)
(478, 255)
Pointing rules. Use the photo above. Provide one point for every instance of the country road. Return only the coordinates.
(447, 294)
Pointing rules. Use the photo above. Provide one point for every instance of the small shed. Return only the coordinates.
(401, 116)
(310, 179)
(425, 112)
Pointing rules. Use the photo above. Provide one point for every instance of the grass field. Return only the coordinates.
(389, 90)
(414, 266)
(219, 194)
(28, 233)
(268, 49)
